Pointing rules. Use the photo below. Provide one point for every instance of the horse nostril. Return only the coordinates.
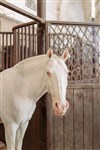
(56, 104)
(48, 73)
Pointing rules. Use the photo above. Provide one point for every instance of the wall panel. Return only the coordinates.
(79, 129)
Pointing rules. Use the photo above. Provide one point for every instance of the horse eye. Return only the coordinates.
(48, 73)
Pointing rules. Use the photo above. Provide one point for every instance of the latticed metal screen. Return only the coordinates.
(83, 42)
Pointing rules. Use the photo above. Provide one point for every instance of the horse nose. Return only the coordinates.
(60, 109)
(61, 106)
(57, 105)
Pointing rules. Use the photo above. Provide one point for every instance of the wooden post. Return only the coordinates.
(41, 111)
(40, 27)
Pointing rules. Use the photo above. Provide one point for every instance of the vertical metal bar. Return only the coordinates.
(32, 41)
(14, 46)
(22, 49)
(29, 37)
(12, 42)
(19, 45)
(6, 52)
(10, 50)
(25, 42)
(2, 51)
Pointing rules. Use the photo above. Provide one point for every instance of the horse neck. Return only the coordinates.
(33, 75)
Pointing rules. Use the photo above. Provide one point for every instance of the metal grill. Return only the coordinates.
(83, 41)
(6, 50)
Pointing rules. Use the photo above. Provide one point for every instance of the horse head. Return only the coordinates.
(56, 81)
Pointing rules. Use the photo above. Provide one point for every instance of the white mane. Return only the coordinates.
(35, 60)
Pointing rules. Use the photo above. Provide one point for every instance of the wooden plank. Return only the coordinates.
(50, 134)
(80, 128)
(96, 108)
(88, 120)
(84, 86)
(58, 132)
(68, 123)
(78, 119)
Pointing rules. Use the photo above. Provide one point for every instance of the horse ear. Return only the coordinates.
(65, 55)
(50, 53)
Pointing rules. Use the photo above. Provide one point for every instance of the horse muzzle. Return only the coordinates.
(60, 109)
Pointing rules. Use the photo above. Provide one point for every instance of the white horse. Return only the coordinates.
(22, 86)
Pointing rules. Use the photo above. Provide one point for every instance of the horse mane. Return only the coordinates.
(34, 59)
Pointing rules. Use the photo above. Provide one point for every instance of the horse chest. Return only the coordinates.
(24, 108)
(19, 110)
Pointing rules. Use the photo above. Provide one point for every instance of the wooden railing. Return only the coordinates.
(6, 50)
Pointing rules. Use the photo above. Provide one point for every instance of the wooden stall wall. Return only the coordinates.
(79, 129)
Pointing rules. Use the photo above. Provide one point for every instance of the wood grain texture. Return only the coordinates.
(88, 119)
(79, 129)
(96, 115)
(68, 123)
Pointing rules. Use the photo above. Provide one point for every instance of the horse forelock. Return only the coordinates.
(60, 61)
